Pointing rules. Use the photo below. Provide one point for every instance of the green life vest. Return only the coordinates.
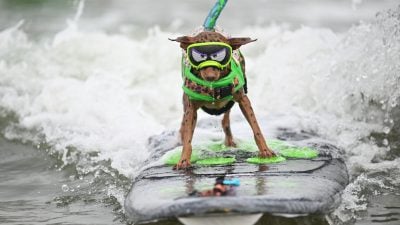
(211, 91)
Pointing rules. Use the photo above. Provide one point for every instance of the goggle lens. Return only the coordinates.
(199, 53)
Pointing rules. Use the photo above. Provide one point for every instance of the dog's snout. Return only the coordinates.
(210, 78)
(210, 73)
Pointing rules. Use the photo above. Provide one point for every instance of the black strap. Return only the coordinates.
(220, 111)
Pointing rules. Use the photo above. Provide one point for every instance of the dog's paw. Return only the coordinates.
(182, 164)
(267, 153)
(230, 143)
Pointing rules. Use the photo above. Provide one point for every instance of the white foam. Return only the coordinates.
(94, 92)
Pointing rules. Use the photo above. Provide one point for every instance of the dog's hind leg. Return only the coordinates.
(226, 126)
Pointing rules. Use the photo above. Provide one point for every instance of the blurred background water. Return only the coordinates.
(83, 85)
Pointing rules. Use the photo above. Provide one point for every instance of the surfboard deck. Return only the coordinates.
(294, 186)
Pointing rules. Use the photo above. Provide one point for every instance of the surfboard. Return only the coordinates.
(301, 180)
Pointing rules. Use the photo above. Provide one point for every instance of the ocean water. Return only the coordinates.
(84, 85)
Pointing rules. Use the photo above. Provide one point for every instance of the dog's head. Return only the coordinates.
(210, 52)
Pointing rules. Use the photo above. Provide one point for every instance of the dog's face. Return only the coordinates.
(210, 53)
(210, 73)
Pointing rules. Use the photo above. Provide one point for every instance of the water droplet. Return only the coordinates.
(65, 188)
(385, 142)
(386, 130)
(393, 103)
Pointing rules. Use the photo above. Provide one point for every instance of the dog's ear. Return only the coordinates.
(184, 40)
(237, 42)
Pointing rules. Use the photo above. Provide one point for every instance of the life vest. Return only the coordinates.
(211, 91)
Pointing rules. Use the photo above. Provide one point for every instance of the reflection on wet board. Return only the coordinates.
(301, 180)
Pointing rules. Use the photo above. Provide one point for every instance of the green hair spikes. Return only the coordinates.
(209, 22)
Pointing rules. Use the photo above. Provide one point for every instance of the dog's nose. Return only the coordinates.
(210, 73)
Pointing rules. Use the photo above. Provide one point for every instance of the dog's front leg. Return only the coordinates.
(247, 110)
(187, 130)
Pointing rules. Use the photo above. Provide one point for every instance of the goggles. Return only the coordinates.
(205, 54)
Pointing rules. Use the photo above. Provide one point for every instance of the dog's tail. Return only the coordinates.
(213, 15)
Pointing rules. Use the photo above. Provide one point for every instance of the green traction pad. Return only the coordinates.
(172, 157)
(258, 160)
(299, 153)
(212, 154)
(247, 146)
(216, 161)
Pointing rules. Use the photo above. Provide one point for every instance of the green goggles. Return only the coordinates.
(217, 54)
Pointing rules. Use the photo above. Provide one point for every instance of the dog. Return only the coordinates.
(213, 70)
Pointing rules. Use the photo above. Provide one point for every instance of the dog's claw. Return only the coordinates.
(182, 164)
(230, 143)
(267, 153)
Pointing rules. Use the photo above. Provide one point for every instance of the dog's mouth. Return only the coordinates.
(210, 73)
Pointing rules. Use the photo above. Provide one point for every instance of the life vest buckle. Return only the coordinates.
(222, 92)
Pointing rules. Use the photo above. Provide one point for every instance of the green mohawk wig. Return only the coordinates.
(211, 19)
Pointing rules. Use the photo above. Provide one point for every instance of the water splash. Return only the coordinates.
(72, 26)
(79, 11)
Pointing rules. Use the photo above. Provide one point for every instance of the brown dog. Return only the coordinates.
(214, 79)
